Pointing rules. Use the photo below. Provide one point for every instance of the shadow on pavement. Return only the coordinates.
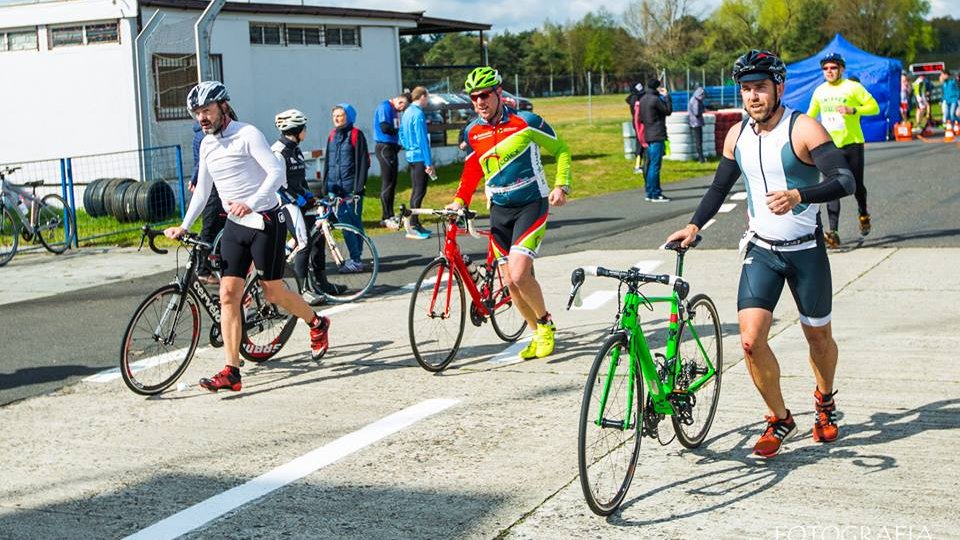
(743, 476)
(43, 374)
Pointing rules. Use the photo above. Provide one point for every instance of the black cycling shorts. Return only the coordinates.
(240, 246)
(518, 229)
(807, 271)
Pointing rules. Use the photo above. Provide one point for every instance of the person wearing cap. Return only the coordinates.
(840, 102)
(236, 157)
(781, 154)
(654, 108)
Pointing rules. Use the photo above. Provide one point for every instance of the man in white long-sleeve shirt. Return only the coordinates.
(236, 158)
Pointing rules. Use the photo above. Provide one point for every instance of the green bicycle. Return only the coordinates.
(683, 382)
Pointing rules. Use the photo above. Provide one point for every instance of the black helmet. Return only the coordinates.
(757, 65)
(833, 58)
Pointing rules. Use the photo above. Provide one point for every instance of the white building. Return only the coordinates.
(86, 77)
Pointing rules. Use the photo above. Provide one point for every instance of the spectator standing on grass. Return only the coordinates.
(345, 175)
(386, 137)
(654, 108)
(695, 118)
(416, 145)
(951, 94)
(906, 93)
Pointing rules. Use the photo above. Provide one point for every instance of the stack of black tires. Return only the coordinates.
(128, 200)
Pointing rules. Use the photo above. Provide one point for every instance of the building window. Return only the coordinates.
(84, 34)
(173, 76)
(282, 34)
(346, 36)
(18, 40)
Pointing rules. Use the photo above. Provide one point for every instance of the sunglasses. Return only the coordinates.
(480, 95)
(830, 68)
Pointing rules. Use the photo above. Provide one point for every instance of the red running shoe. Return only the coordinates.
(224, 380)
(825, 428)
(777, 431)
(318, 338)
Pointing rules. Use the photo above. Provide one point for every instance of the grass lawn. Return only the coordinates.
(598, 164)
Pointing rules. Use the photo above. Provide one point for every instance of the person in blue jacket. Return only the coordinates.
(416, 145)
(386, 137)
(951, 95)
(345, 175)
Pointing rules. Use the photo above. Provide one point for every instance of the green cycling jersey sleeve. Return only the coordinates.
(844, 129)
(557, 148)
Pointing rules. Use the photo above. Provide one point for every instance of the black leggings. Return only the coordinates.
(854, 156)
(387, 157)
(418, 180)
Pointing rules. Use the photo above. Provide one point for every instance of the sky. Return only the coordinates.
(519, 15)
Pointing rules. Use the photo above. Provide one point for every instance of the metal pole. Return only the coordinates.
(202, 31)
(723, 84)
(516, 85)
(688, 79)
(183, 194)
(590, 97)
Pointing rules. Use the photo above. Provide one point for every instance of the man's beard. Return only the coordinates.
(761, 115)
(214, 128)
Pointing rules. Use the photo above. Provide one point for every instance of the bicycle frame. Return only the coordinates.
(660, 390)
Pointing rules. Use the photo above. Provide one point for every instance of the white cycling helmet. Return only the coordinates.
(206, 93)
(290, 119)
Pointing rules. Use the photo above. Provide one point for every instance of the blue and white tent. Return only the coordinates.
(881, 77)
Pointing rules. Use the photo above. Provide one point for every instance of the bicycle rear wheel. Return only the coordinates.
(358, 280)
(160, 340)
(266, 327)
(700, 346)
(437, 315)
(507, 320)
(55, 224)
(9, 235)
(607, 453)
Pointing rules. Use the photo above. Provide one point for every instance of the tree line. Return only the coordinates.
(651, 35)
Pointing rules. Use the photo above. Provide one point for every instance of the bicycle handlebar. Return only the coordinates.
(188, 238)
(465, 213)
(633, 276)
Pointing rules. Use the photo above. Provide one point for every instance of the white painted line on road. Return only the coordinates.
(726, 207)
(199, 514)
(707, 224)
(510, 355)
(739, 196)
(596, 300)
(647, 266)
(113, 374)
(426, 283)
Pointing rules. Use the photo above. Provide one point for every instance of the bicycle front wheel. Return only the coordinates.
(700, 350)
(507, 320)
(358, 276)
(437, 315)
(160, 340)
(266, 327)
(55, 224)
(9, 235)
(609, 438)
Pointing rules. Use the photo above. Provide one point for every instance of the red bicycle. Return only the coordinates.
(438, 310)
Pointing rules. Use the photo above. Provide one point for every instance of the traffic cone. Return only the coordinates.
(948, 136)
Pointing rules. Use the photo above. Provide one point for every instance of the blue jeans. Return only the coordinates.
(652, 175)
(950, 111)
(350, 214)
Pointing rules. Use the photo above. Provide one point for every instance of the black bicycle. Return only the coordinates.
(163, 333)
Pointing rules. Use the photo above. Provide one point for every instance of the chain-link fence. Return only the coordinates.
(720, 90)
(112, 193)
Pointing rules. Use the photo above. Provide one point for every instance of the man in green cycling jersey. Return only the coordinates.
(840, 103)
(503, 149)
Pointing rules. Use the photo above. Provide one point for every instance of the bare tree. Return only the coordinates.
(660, 24)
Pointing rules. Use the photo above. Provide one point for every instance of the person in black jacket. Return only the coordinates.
(212, 216)
(655, 107)
(293, 130)
(345, 175)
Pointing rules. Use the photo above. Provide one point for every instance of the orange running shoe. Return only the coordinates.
(825, 429)
(777, 431)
